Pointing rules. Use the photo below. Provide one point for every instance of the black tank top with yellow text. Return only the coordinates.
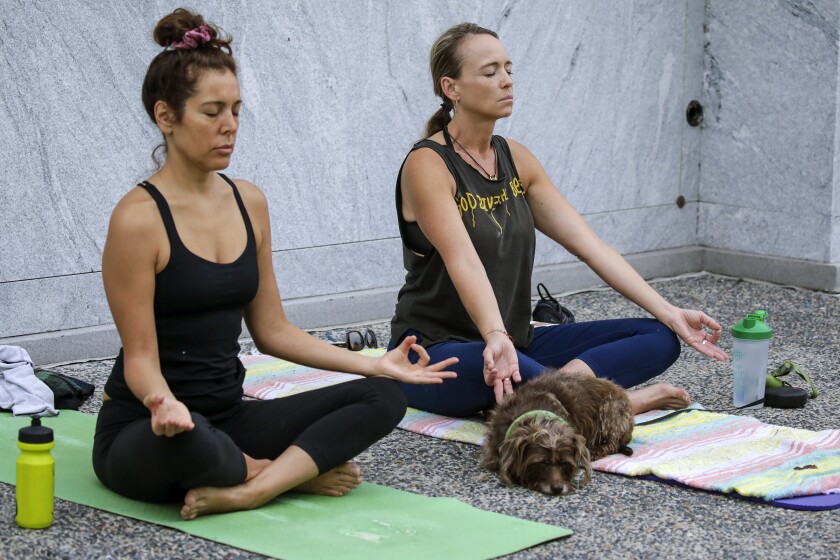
(498, 220)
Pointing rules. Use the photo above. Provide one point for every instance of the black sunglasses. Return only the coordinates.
(358, 340)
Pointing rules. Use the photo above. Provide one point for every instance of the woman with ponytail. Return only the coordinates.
(469, 260)
(188, 254)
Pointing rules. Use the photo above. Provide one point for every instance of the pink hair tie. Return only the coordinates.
(193, 38)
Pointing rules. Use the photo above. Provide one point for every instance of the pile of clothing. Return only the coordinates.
(26, 390)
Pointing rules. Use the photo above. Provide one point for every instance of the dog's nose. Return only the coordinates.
(558, 489)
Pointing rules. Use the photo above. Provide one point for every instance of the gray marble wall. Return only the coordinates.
(335, 93)
(769, 183)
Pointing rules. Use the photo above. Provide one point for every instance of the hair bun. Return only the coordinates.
(172, 27)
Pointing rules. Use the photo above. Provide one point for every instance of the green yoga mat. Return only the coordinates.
(372, 522)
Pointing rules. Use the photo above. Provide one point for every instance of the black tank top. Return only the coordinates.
(198, 307)
(498, 220)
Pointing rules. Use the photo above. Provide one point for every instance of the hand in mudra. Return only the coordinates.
(699, 331)
(395, 364)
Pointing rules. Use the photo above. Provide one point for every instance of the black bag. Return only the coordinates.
(69, 392)
(549, 310)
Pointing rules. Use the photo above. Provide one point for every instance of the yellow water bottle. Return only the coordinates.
(35, 480)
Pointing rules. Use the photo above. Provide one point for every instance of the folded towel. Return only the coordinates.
(20, 390)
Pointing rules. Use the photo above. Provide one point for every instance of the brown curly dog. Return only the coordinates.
(545, 435)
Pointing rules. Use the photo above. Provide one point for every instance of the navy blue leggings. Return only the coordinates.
(627, 351)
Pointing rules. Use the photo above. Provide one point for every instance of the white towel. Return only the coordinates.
(20, 390)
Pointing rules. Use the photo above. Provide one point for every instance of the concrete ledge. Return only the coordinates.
(308, 313)
(778, 270)
(68, 345)
(342, 309)
(378, 305)
(575, 275)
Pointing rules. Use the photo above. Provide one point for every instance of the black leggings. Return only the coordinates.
(332, 425)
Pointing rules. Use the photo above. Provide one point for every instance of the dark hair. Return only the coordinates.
(174, 72)
(446, 60)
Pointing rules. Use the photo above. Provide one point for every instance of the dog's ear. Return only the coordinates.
(511, 459)
(490, 414)
(582, 457)
(490, 459)
(490, 454)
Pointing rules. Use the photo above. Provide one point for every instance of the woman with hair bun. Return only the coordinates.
(467, 291)
(188, 253)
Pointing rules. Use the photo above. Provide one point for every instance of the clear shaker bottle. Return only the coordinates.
(750, 348)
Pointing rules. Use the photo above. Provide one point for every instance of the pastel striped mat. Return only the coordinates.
(701, 449)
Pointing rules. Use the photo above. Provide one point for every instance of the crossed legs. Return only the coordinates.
(249, 455)
(627, 351)
(315, 461)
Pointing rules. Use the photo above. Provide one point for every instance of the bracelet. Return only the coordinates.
(504, 332)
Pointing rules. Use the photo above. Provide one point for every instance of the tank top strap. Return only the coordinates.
(165, 214)
(447, 138)
(403, 226)
(441, 150)
(247, 219)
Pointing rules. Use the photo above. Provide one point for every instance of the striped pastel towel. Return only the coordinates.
(728, 453)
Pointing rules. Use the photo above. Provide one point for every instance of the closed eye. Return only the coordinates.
(491, 74)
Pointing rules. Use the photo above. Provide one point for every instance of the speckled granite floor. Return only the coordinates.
(613, 517)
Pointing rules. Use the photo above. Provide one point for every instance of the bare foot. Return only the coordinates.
(579, 367)
(255, 466)
(578, 372)
(256, 491)
(335, 482)
(201, 501)
(657, 397)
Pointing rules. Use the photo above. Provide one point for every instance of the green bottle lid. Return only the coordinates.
(36, 433)
(752, 327)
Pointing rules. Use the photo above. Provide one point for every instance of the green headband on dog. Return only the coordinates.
(532, 414)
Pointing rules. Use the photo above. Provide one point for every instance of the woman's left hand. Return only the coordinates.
(395, 365)
(689, 325)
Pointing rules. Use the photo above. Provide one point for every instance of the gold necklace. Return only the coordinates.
(492, 177)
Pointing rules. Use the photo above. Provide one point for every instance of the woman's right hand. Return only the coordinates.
(501, 364)
(395, 364)
(169, 415)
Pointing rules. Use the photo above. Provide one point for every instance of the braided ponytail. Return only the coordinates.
(440, 119)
